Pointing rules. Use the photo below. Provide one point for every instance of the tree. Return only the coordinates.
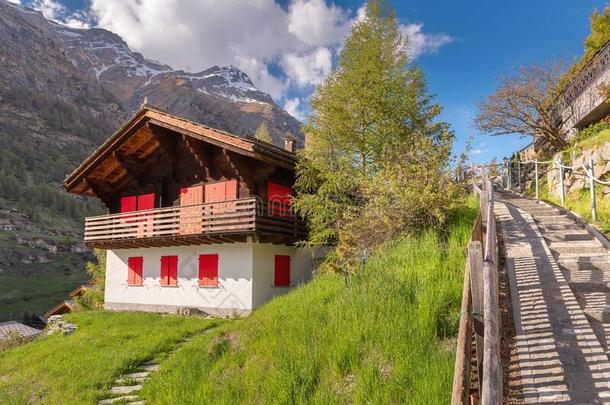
(522, 104)
(600, 32)
(94, 297)
(375, 163)
(262, 133)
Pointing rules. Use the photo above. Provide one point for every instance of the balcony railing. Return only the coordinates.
(237, 217)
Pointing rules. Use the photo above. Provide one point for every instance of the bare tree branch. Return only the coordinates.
(522, 104)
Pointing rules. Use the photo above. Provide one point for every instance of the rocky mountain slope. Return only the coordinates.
(62, 92)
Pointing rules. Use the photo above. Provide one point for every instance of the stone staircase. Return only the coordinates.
(581, 256)
(125, 388)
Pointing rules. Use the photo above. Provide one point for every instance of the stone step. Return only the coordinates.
(548, 227)
(596, 304)
(569, 236)
(595, 263)
(588, 280)
(149, 367)
(129, 379)
(139, 374)
(587, 248)
(125, 398)
(555, 219)
(124, 389)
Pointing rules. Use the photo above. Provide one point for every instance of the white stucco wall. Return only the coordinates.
(245, 278)
(263, 289)
(233, 294)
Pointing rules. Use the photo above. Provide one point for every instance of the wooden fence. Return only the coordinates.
(479, 322)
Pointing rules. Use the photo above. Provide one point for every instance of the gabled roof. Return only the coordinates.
(11, 328)
(147, 114)
(61, 308)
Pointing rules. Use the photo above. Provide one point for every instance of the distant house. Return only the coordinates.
(581, 103)
(198, 218)
(64, 307)
(10, 330)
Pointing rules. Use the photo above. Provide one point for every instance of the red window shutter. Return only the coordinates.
(134, 265)
(146, 202)
(163, 275)
(208, 270)
(282, 271)
(279, 199)
(214, 192)
(129, 203)
(172, 270)
(191, 195)
(230, 190)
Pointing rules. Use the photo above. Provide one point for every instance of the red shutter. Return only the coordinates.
(214, 192)
(146, 202)
(172, 270)
(230, 190)
(164, 266)
(279, 198)
(282, 271)
(134, 275)
(208, 270)
(129, 203)
(169, 270)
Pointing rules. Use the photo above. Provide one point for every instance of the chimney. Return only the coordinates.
(289, 144)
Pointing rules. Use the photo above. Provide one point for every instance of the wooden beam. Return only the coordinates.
(199, 156)
(133, 166)
(101, 189)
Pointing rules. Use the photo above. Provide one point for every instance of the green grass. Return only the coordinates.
(78, 369)
(593, 141)
(385, 337)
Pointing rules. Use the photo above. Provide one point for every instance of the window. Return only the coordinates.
(208, 270)
(282, 271)
(134, 270)
(169, 270)
(279, 199)
(138, 203)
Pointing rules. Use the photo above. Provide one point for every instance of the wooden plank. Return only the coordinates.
(461, 374)
(475, 264)
(491, 387)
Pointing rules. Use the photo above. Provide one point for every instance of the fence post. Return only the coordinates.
(519, 174)
(592, 187)
(561, 191)
(536, 177)
(510, 174)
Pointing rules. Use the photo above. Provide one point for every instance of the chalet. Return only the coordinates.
(197, 218)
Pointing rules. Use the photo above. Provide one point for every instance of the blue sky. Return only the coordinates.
(463, 46)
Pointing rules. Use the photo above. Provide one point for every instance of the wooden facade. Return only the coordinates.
(167, 181)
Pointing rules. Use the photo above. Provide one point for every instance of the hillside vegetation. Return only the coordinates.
(385, 336)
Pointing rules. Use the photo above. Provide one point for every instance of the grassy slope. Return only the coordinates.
(381, 339)
(384, 338)
(78, 368)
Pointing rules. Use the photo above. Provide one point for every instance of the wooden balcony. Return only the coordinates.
(222, 222)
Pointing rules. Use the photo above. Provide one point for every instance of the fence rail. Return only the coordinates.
(588, 172)
(479, 321)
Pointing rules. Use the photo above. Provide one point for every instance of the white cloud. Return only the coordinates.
(316, 23)
(476, 151)
(419, 43)
(310, 68)
(15, 1)
(280, 48)
(292, 107)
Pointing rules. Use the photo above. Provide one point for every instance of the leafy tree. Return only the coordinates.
(262, 133)
(522, 105)
(375, 163)
(94, 297)
(600, 32)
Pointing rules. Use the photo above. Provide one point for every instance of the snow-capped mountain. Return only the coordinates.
(221, 97)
